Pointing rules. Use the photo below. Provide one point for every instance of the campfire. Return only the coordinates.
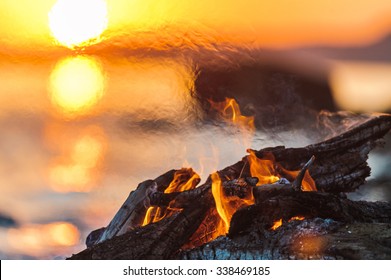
(275, 203)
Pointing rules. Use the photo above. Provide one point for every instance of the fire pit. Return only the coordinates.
(275, 203)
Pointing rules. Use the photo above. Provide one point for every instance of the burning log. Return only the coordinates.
(170, 218)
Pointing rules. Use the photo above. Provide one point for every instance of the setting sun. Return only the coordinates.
(78, 22)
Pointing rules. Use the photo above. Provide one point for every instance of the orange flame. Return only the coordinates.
(308, 184)
(179, 183)
(263, 169)
(296, 218)
(217, 191)
(229, 111)
(266, 171)
(278, 223)
(209, 230)
(226, 206)
(218, 219)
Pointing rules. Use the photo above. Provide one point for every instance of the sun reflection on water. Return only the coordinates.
(76, 85)
(38, 239)
(77, 167)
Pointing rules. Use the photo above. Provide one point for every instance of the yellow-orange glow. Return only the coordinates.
(72, 177)
(76, 169)
(226, 206)
(38, 239)
(230, 111)
(211, 228)
(263, 169)
(308, 183)
(78, 22)
(208, 160)
(217, 191)
(296, 218)
(278, 23)
(76, 84)
(159, 87)
(184, 179)
(63, 234)
(88, 150)
(265, 23)
(218, 221)
(309, 244)
(276, 224)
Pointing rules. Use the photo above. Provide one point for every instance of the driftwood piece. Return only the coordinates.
(340, 166)
(132, 211)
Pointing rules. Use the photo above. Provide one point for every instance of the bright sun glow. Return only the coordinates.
(76, 84)
(78, 22)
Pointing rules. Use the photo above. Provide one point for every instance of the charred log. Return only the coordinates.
(159, 240)
(287, 204)
(309, 239)
(341, 162)
(328, 218)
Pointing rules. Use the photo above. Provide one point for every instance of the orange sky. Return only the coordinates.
(280, 23)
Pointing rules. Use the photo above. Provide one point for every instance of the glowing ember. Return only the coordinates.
(309, 245)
